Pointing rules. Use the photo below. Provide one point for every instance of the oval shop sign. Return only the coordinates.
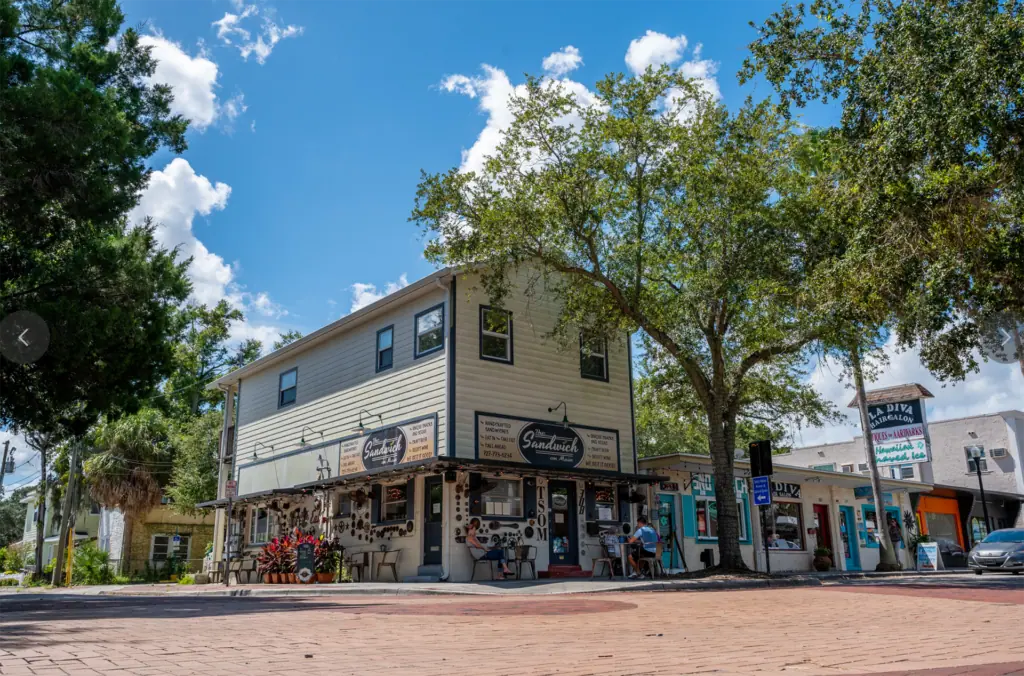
(384, 448)
(550, 445)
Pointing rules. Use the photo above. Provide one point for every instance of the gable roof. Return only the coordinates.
(887, 395)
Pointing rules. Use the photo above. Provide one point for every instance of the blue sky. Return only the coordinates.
(311, 121)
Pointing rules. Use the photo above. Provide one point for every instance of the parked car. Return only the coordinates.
(1001, 550)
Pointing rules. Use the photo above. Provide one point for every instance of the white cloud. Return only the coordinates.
(654, 49)
(174, 197)
(562, 62)
(703, 71)
(996, 387)
(231, 32)
(192, 79)
(234, 107)
(252, 126)
(365, 294)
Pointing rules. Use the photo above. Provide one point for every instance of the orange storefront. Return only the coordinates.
(939, 517)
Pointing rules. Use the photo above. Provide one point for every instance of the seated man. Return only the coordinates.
(644, 546)
(490, 553)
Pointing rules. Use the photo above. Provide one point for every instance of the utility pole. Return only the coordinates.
(41, 511)
(3, 465)
(887, 555)
(67, 516)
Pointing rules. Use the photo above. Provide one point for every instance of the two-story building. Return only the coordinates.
(395, 426)
(85, 527)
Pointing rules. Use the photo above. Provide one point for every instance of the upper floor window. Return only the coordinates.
(848, 469)
(385, 348)
(971, 466)
(862, 467)
(495, 334)
(594, 357)
(288, 385)
(430, 330)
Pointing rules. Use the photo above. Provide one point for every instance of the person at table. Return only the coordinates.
(490, 553)
(643, 545)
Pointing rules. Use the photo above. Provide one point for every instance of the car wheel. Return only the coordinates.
(977, 572)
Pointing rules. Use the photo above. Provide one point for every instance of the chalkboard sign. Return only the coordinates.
(304, 562)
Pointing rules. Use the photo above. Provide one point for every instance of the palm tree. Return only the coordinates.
(131, 467)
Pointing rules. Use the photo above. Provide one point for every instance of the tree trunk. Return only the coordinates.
(722, 435)
(41, 514)
(886, 554)
(67, 517)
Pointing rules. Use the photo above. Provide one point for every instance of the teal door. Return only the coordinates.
(667, 530)
(848, 537)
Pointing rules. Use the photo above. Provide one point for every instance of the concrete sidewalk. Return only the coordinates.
(543, 587)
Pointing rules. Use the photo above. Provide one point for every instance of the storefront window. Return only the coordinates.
(605, 503)
(978, 529)
(707, 518)
(505, 498)
(785, 525)
(395, 505)
(259, 526)
(892, 523)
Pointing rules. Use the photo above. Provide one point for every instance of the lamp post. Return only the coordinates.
(976, 454)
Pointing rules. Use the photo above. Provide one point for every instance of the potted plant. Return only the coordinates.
(822, 559)
(270, 561)
(288, 543)
(327, 555)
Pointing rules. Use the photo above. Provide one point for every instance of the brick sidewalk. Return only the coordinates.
(787, 631)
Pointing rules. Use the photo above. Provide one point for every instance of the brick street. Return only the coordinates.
(938, 629)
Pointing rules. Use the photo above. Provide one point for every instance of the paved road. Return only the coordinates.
(939, 627)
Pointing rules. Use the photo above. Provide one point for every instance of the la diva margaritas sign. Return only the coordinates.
(545, 444)
(388, 446)
(898, 432)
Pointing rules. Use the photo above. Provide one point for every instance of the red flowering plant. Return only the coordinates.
(271, 558)
(327, 554)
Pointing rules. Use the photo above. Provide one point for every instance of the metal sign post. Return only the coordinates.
(761, 469)
(230, 486)
(762, 498)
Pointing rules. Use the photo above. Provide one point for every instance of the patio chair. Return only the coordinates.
(478, 558)
(390, 560)
(607, 558)
(357, 563)
(653, 565)
(526, 555)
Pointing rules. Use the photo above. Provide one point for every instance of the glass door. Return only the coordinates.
(562, 524)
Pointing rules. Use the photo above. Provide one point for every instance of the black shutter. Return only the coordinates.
(474, 493)
(591, 503)
(625, 513)
(530, 497)
(375, 503)
(410, 499)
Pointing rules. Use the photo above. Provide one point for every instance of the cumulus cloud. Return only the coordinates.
(234, 107)
(231, 32)
(996, 387)
(565, 61)
(654, 49)
(365, 294)
(192, 79)
(174, 197)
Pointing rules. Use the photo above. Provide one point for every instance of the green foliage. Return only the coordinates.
(195, 471)
(12, 515)
(927, 163)
(91, 565)
(133, 462)
(106, 291)
(12, 558)
(287, 338)
(657, 210)
(187, 578)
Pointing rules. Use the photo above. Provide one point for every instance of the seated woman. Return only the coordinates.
(490, 553)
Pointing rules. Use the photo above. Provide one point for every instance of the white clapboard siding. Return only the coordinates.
(337, 378)
(541, 376)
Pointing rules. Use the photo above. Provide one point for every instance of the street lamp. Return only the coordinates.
(977, 453)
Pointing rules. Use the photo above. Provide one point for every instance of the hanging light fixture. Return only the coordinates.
(259, 443)
(362, 428)
(302, 441)
(565, 412)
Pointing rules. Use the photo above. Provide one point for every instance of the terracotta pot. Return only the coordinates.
(292, 579)
(271, 578)
(822, 563)
(325, 578)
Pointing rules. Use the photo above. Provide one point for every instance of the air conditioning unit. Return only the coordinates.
(998, 452)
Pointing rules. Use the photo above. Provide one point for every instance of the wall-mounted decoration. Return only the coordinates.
(458, 532)
(545, 444)
(626, 529)
(528, 531)
(461, 539)
(458, 517)
(542, 520)
(408, 526)
(495, 539)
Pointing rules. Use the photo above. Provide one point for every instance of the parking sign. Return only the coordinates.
(762, 491)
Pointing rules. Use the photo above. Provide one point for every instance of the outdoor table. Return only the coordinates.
(623, 554)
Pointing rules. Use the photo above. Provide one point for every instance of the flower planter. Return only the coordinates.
(822, 563)
(324, 578)
(291, 578)
(272, 578)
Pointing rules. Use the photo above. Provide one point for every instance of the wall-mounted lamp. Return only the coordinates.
(259, 443)
(302, 441)
(972, 435)
(378, 416)
(565, 412)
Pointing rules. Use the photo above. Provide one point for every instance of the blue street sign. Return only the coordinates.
(762, 491)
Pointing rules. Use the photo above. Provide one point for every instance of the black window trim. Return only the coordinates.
(584, 374)
(416, 354)
(376, 352)
(280, 390)
(511, 341)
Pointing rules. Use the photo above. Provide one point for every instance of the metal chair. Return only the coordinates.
(357, 563)
(653, 565)
(607, 558)
(390, 559)
(478, 558)
(526, 555)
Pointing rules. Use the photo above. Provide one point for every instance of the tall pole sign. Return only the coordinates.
(761, 471)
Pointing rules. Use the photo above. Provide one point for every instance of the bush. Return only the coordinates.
(187, 578)
(48, 568)
(91, 565)
(12, 559)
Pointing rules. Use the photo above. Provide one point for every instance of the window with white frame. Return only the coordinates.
(971, 463)
(503, 498)
(164, 547)
(429, 331)
(288, 387)
(259, 525)
(395, 503)
(495, 334)
(593, 357)
(848, 469)
(707, 518)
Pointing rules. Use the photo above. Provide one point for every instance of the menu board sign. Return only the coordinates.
(388, 446)
(545, 444)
